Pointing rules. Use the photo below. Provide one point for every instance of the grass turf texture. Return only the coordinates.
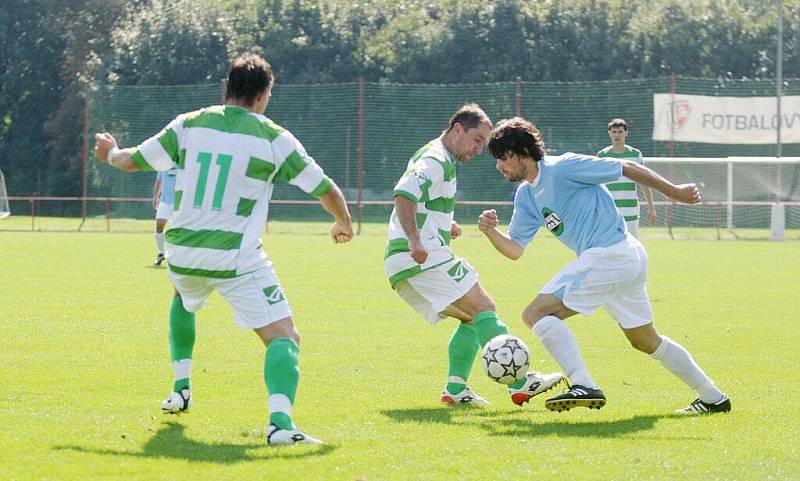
(84, 366)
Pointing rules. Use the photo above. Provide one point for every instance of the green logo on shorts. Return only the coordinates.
(458, 271)
(274, 295)
(552, 221)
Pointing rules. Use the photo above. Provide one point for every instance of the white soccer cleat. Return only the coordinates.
(535, 384)
(277, 436)
(467, 396)
(177, 402)
(699, 407)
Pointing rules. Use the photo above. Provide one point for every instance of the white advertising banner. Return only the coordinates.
(725, 120)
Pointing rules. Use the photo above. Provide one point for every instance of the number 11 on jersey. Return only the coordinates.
(224, 163)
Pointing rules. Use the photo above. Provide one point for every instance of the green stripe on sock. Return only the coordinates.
(282, 420)
(181, 384)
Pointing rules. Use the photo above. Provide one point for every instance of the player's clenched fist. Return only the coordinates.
(103, 144)
(488, 220)
(687, 193)
(341, 232)
(418, 252)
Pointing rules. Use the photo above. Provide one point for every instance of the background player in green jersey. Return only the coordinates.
(229, 157)
(426, 273)
(623, 190)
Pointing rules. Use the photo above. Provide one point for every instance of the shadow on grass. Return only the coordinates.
(170, 442)
(521, 423)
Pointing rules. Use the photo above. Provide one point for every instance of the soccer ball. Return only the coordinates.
(505, 359)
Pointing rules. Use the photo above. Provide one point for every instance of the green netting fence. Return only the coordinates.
(397, 118)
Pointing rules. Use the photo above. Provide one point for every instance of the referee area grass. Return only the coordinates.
(84, 365)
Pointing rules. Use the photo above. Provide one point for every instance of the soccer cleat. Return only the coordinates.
(276, 435)
(536, 384)
(467, 396)
(577, 396)
(177, 401)
(159, 259)
(699, 407)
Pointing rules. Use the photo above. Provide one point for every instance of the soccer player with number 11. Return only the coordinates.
(228, 159)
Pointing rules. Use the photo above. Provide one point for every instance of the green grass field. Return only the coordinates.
(84, 366)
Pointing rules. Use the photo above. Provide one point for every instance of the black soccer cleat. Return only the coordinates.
(159, 259)
(577, 396)
(699, 407)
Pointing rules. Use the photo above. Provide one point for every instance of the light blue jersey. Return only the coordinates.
(568, 198)
(167, 179)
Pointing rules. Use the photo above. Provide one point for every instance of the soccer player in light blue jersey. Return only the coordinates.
(565, 195)
(163, 198)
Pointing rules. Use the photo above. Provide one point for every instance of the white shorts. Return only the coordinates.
(164, 211)
(431, 291)
(613, 277)
(257, 298)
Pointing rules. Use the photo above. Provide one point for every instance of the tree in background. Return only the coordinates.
(54, 51)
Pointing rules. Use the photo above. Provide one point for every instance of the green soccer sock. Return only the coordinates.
(181, 343)
(488, 325)
(461, 353)
(281, 375)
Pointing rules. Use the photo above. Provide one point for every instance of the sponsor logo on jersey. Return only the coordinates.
(458, 271)
(274, 295)
(552, 221)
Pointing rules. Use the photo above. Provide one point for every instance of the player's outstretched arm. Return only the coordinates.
(106, 150)
(487, 223)
(686, 193)
(334, 203)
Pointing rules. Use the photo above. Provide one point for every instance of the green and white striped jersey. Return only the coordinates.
(228, 160)
(623, 190)
(430, 182)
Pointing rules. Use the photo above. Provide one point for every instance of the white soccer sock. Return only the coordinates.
(562, 345)
(680, 363)
(182, 369)
(159, 241)
(280, 403)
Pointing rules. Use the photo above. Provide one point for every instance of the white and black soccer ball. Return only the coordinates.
(505, 359)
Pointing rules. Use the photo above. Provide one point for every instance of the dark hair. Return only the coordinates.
(249, 75)
(518, 136)
(618, 123)
(469, 116)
